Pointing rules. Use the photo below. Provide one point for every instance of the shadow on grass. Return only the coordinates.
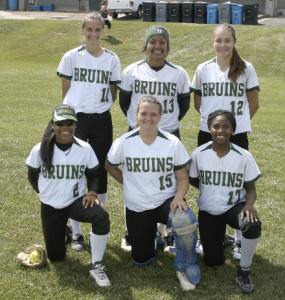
(159, 281)
(112, 40)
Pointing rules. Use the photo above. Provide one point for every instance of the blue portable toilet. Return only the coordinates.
(237, 14)
(212, 13)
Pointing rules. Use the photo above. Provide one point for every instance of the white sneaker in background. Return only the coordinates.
(125, 245)
(237, 250)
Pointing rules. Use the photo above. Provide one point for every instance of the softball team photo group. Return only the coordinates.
(69, 168)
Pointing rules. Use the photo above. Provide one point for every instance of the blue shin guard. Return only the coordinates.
(184, 227)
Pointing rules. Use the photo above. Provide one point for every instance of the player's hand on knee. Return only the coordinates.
(90, 200)
(250, 213)
(179, 203)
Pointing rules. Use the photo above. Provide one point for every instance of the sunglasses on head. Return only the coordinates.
(64, 123)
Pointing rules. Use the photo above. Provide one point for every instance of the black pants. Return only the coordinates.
(142, 227)
(212, 232)
(108, 23)
(54, 224)
(239, 139)
(97, 129)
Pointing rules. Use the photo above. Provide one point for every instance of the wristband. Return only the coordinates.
(93, 193)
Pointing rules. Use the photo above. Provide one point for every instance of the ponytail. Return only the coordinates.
(47, 146)
(237, 66)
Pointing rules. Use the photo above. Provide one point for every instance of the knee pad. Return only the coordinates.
(251, 230)
(184, 227)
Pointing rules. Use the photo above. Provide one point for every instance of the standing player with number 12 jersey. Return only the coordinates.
(230, 83)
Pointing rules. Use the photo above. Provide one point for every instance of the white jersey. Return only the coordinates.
(218, 92)
(222, 179)
(148, 170)
(66, 180)
(168, 85)
(90, 77)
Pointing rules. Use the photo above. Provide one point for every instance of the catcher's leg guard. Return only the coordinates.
(184, 226)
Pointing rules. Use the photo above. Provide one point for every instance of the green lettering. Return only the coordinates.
(83, 73)
(231, 179)
(211, 89)
(76, 74)
(144, 85)
(208, 176)
(129, 164)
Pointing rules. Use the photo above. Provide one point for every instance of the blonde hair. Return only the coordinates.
(93, 16)
(152, 100)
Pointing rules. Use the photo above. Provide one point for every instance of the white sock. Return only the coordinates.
(103, 198)
(248, 247)
(238, 235)
(98, 246)
(160, 228)
(76, 227)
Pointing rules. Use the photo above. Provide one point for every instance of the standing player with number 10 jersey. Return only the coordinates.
(89, 76)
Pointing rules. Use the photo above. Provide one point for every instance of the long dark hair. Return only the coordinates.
(47, 145)
(237, 64)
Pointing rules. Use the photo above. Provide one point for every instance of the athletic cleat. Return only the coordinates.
(229, 240)
(184, 281)
(96, 270)
(244, 280)
(125, 245)
(199, 247)
(237, 250)
(68, 233)
(77, 242)
(169, 242)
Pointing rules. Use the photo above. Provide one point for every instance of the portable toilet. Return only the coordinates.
(174, 11)
(187, 12)
(161, 11)
(212, 13)
(237, 14)
(225, 13)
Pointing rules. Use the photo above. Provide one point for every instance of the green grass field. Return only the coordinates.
(30, 53)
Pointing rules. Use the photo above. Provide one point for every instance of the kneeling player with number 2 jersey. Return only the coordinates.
(57, 170)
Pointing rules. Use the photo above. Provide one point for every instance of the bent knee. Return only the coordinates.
(251, 230)
(101, 223)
